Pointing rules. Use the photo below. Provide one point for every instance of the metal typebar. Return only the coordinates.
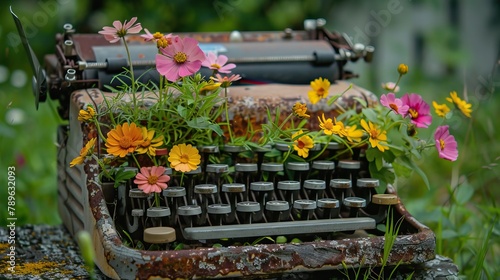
(278, 228)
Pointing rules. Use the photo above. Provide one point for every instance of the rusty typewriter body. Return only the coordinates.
(276, 68)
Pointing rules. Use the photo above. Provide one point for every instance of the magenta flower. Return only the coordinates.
(226, 80)
(152, 179)
(182, 58)
(390, 101)
(445, 143)
(418, 109)
(119, 30)
(218, 63)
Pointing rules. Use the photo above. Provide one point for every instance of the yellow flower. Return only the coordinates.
(302, 144)
(462, 105)
(210, 86)
(441, 109)
(300, 109)
(352, 133)
(377, 137)
(150, 143)
(124, 139)
(319, 90)
(402, 69)
(86, 151)
(184, 158)
(330, 127)
(86, 115)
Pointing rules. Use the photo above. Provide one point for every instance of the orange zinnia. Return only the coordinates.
(124, 139)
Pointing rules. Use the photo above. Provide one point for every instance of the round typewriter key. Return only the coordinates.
(210, 149)
(328, 208)
(137, 212)
(277, 205)
(137, 193)
(189, 214)
(304, 209)
(289, 185)
(168, 171)
(233, 187)
(354, 203)
(159, 235)
(174, 192)
(155, 212)
(385, 199)
(246, 167)
(218, 213)
(234, 148)
(365, 188)
(349, 169)
(314, 188)
(341, 188)
(282, 147)
(350, 164)
(248, 211)
(193, 172)
(261, 186)
(316, 147)
(205, 189)
(297, 166)
(323, 165)
(217, 168)
(272, 167)
(263, 149)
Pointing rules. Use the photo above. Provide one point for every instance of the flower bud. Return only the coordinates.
(402, 69)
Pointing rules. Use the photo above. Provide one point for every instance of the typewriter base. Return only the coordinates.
(82, 207)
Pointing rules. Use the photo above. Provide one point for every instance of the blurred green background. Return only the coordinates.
(448, 45)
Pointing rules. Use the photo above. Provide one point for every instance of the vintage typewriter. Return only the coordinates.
(329, 211)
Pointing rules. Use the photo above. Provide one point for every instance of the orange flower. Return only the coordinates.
(124, 139)
(184, 158)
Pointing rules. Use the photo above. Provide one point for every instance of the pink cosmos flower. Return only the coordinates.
(226, 80)
(445, 143)
(182, 58)
(390, 101)
(418, 109)
(119, 30)
(152, 179)
(218, 63)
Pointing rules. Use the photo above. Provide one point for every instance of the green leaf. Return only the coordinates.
(402, 170)
(464, 193)
(182, 111)
(412, 165)
(361, 101)
(333, 99)
(370, 114)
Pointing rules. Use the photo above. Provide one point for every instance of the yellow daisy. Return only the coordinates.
(302, 144)
(319, 90)
(352, 133)
(150, 143)
(124, 139)
(462, 105)
(300, 109)
(86, 115)
(441, 109)
(86, 151)
(184, 158)
(330, 126)
(377, 136)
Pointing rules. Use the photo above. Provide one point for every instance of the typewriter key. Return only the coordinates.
(300, 170)
(159, 235)
(365, 188)
(288, 191)
(341, 188)
(314, 189)
(354, 204)
(304, 209)
(245, 173)
(175, 197)
(277, 210)
(262, 192)
(156, 215)
(189, 214)
(214, 172)
(218, 213)
(206, 195)
(328, 208)
(233, 193)
(349, 169)
(383, 201)
(324, 169)
(270, 171)
(248, 212)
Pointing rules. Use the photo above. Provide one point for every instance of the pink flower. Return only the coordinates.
(445, 143)
(217, 63)
(119, 30)
(418, 109)
(182, 58)
(390, 101)
(152, 179)
(226, 80)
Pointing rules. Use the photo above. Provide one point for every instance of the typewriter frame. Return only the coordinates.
(82, 207)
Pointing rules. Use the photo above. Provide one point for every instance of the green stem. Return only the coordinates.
(226, 105)
(396, 85)
(157, 200)
(136, 162)
(132, 77)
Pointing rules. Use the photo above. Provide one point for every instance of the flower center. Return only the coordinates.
(413, 113)
(152, 179)
(125, 142)
(394, 107)
(121, 33)
(184, 158)
(321, 92)
(441, 144)
(215, 65)
(300, 144)
(157, 35)
(373, 134)
(180, 57)
(328, 125)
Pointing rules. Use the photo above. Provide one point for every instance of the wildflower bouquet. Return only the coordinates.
(150, 133)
